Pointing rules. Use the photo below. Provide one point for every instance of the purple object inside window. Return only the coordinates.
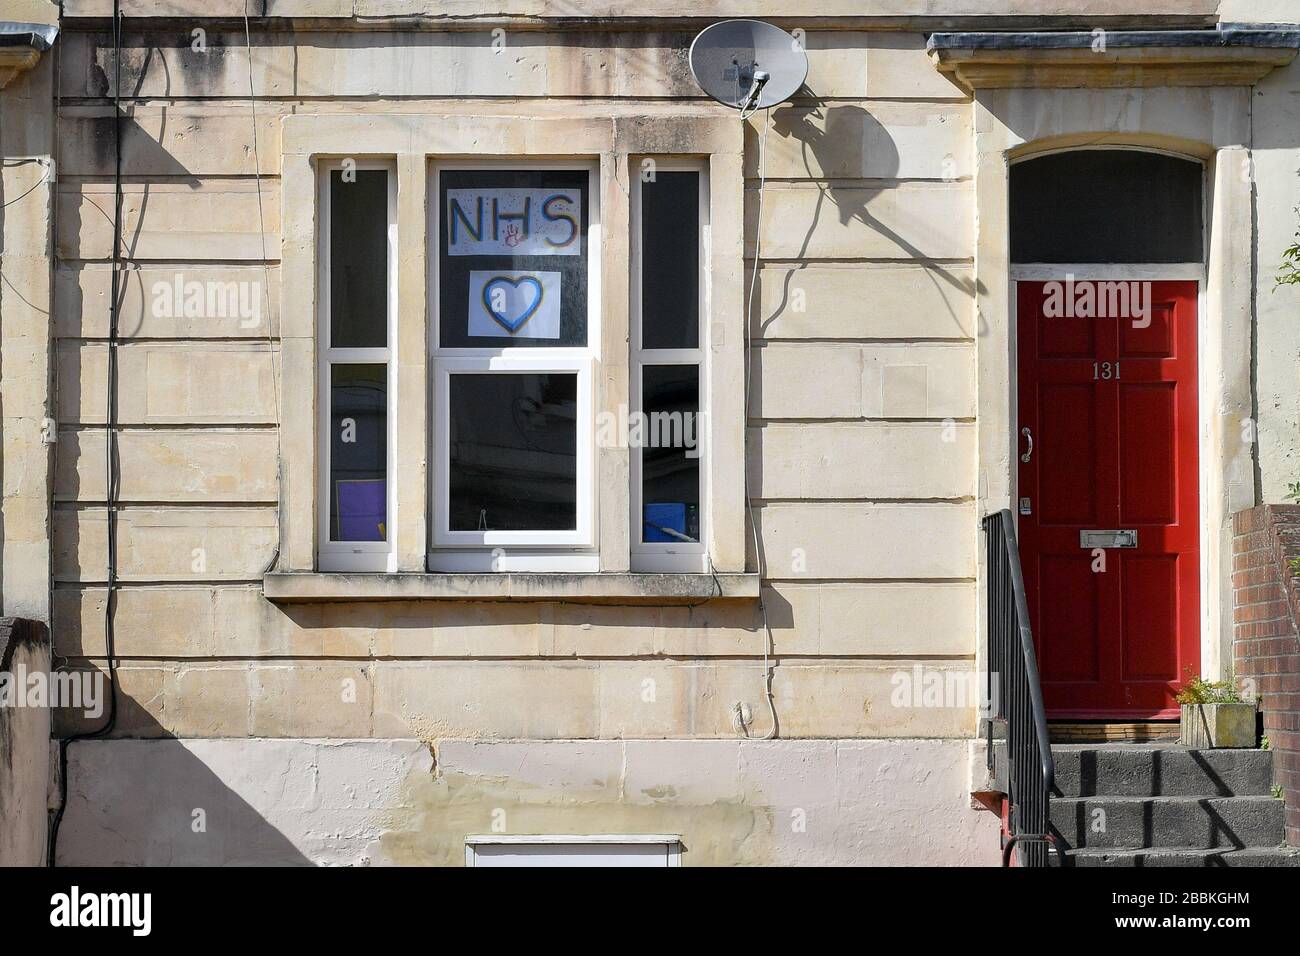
(362, 509)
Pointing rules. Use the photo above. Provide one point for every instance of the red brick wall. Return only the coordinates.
(1265, 639)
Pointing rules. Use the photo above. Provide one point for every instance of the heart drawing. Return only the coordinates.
(512, 301)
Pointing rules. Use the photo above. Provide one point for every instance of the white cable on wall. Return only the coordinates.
(749, 384)
(266, 283)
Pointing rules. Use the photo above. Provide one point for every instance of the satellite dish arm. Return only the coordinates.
(751, 99)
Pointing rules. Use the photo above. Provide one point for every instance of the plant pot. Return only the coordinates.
(1217, 726)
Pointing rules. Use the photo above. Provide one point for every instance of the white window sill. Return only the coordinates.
(634, 588)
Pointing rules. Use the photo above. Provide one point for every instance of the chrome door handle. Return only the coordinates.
(1029, 437)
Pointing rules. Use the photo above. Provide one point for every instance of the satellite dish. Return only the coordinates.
(748, 64)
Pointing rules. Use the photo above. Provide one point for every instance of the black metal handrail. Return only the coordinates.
(1017, 698)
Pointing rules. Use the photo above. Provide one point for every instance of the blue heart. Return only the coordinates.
(512, 324)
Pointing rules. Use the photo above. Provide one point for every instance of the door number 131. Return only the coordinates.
(1105, 370)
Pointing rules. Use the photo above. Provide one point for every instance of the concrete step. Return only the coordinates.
(1134, 823)
(1254, 856)
(1156, 770)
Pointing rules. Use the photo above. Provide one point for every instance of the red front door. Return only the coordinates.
(1108, 497)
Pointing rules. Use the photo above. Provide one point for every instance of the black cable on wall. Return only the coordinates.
(111, 471)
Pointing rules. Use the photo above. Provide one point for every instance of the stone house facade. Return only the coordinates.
(486, 618)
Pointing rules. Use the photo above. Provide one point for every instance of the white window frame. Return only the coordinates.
(353, 555)
(574, 550)
(669, 556)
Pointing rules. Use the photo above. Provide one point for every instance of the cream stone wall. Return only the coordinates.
(1276, 157)
(398, 802)
(27, 428)
(32, 11)
(879, 12)
(861, 443)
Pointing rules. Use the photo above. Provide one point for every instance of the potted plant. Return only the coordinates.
(1214, 715)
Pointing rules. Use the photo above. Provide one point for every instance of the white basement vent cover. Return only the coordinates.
(573, 850)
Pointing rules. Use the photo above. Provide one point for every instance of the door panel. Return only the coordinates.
(1075, 611)
(1069, 462)
(1150, 602)
(1110, 400)
(1148, 424)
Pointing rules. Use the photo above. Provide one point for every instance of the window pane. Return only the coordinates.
(670, 453)
(514, 452)
(512, 260)
(670, 261)
(1106, 205)
(359, 259)
(358, 452)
